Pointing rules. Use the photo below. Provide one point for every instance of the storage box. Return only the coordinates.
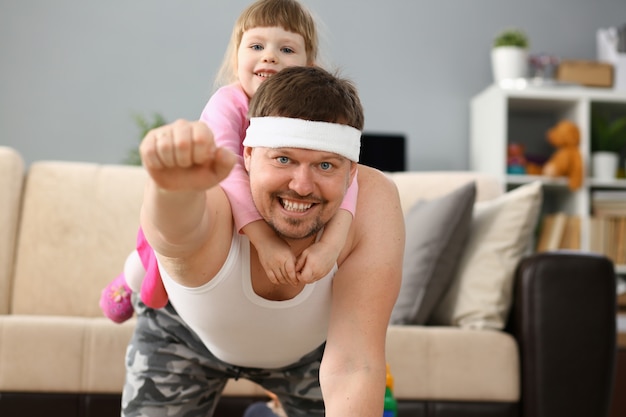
(587, 73)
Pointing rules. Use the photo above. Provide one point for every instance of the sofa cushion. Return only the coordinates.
(448, 363)
(436, 231)
(414, 186)
(79, 222)
(480, 296)
(11, 178)
(62, 354)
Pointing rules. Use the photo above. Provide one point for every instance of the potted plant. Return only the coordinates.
(509, 56)
(608, 139)
(144, 126)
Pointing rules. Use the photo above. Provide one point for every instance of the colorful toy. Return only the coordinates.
(566, 161)
(515, 159)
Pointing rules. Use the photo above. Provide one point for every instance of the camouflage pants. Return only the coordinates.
(169, 372)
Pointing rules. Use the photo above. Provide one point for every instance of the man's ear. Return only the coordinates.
(247, 154)
(353, 171)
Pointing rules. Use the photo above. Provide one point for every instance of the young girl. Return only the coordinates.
(268, 36)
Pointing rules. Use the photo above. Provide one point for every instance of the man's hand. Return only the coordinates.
(182, 156)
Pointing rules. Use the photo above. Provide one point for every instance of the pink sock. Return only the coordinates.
(115, 300)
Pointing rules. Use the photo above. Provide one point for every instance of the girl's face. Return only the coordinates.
(264, 51)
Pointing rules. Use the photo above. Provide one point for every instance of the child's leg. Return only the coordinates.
(153, 292)
(115, 297)
(141, 274)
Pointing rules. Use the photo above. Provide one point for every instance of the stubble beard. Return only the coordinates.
(295, 226)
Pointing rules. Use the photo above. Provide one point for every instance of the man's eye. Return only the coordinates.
(326, 166)
(282, 160)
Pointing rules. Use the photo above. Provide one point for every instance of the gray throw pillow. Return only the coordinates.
(436, 232)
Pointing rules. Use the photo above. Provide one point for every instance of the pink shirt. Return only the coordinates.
(226, 114)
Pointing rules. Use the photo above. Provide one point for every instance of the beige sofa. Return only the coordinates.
(66, 228)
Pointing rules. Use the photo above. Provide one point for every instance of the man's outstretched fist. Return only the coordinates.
(182, 156)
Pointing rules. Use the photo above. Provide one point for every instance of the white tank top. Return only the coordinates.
(240, 327)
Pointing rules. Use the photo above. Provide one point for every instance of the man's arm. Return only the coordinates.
(352, 373)
(183, 211)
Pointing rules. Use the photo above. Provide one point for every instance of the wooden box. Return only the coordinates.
(587, 73)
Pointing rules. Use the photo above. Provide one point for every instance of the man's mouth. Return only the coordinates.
(294, 206)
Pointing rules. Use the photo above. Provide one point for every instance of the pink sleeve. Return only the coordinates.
(226, 116)
(349, 200)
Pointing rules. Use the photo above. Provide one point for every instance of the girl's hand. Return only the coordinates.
(316, 262)
(278, 261)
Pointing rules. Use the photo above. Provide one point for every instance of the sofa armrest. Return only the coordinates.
(11, 180)
(564, 318)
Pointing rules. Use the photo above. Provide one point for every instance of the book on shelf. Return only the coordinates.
(607, 226)
(609, 195)
(608, 237)
(559, 231)
(571, 234)
(608, 203)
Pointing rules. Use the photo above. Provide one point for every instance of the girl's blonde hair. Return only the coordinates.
(288, 14)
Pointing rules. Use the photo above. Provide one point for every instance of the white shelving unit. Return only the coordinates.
(501, 116)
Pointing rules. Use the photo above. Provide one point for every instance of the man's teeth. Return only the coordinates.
(293, 206)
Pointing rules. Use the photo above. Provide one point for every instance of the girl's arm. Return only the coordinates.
(317, 261)
(226, 116)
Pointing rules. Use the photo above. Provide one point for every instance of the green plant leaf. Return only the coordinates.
(607, 135)
(616, 127)
(511, 37)
(144, 125)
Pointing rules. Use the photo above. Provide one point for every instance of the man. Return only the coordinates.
(320, 347)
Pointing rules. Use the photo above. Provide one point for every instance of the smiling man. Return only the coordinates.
(320, 347)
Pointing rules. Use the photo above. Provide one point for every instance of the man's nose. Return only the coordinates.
(302, 181)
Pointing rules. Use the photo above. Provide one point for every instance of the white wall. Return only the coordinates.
(73, 73)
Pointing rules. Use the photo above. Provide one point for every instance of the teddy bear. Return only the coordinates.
(566, 160)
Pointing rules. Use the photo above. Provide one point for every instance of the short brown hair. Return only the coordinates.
(288, 14)
(308, 93)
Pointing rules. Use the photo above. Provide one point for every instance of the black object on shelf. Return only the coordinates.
(383, 151)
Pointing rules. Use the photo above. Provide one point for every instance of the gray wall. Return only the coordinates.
(73, 72)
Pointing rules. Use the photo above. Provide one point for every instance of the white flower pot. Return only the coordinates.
(604, 165)
(509, 62)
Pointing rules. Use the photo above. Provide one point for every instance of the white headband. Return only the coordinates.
(286, 132)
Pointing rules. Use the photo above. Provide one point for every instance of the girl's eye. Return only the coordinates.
(282, 160)
(326, 166)
(257, 47)
(287, 50)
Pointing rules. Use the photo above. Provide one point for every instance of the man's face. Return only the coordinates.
(297, 191)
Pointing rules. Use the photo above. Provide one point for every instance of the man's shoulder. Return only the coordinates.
(378, 211)
(371, 178)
